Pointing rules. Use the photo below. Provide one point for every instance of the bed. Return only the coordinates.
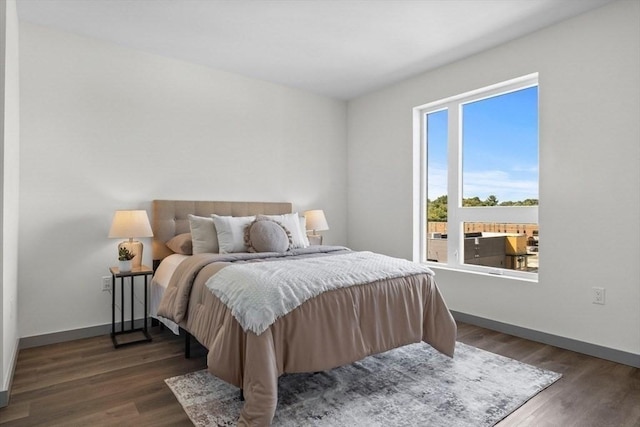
(347, 322)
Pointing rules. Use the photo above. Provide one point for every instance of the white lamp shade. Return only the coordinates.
(129, 224)
(316, 220)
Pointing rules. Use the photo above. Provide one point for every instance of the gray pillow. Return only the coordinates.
(265, 235)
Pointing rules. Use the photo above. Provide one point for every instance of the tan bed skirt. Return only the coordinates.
(333, 329)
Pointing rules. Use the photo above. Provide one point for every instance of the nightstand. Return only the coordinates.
(117, 274)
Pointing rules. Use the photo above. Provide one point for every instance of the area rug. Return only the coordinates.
(408, 386)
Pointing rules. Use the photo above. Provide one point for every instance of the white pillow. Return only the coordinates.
(230, 231)
(292, 223)
(303, 228)
(203, 234)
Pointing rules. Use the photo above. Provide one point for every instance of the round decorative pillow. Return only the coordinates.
(266, 235)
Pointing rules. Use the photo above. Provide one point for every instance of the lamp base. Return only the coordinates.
(135, 247)
(315, 239)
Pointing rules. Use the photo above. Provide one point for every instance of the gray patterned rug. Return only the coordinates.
(408, 386)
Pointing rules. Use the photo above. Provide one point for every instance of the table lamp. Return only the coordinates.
(316, 221)
(131, 224)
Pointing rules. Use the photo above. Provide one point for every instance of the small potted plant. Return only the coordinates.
(124, 259)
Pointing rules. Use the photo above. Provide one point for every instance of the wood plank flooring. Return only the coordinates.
(89, 383)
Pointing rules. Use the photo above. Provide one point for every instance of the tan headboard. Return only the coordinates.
(169, 217)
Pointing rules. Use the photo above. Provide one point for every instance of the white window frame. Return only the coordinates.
(457, 215)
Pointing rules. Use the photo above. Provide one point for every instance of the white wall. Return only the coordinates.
(106, 128)
(9, 153)
(589, 166)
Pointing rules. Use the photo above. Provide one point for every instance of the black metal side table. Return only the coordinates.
(116, 273)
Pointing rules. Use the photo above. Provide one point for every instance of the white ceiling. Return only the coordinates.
(339, 48)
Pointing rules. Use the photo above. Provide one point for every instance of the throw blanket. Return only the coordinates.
(259, 293)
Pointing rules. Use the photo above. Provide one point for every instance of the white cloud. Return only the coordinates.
(500, 184)
(483, 184)
(436, 182)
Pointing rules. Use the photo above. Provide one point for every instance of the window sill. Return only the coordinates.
(505, 274)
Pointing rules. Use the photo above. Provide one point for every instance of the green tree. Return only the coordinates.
(437, 209)
(472, 201)
(491, 201)
(526, 202)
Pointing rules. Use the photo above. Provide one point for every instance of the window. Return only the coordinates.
(478, 208)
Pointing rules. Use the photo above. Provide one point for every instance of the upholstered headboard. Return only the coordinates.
(169, 217)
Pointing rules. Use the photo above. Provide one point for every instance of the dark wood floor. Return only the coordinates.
(88, 383)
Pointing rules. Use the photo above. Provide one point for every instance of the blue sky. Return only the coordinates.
(500, 148)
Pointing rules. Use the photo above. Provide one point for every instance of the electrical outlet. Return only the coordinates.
(106, 283)
(597, 295)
